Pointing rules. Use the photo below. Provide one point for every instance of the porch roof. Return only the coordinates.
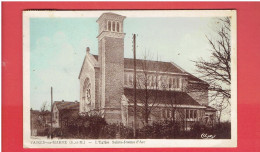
(160, 97)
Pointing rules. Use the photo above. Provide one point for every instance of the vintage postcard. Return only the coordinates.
(126, 79)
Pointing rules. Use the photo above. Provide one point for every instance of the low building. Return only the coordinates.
(40, 121)
(63, 112)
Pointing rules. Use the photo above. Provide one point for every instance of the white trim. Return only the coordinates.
(92, 60)
(110, 34)
(92, 65)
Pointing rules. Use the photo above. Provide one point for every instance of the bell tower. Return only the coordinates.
(111, 61)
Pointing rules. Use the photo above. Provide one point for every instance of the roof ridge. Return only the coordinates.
(139, 59)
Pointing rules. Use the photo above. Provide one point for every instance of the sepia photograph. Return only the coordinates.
(129, 78)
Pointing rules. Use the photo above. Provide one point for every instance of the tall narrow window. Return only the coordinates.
(56, 115)
(178, 83)
(130, 79)
(117, 26)
(169, 113)
(187, 114)
(195, 114)
(149, 80)
(125, 79)
(174, 83)
(165, 113)
(154, 81)
(191, 113)
(157, 82)
(170, 83)
(113, 26)
(164, 82)
(109, 26)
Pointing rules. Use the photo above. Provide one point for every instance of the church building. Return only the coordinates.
(163, 88)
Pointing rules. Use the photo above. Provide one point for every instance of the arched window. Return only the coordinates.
(117, 27)
(125, 79)
(86, 91)
(113, 26)
(109, 26)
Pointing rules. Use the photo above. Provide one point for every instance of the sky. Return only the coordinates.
(58, 47)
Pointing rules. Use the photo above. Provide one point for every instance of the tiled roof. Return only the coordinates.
(157, 66)
(160, 96)
(149, 65)
(61, 105)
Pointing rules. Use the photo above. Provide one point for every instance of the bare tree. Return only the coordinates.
(177, 113)
(217, 71)
(220, 106)
(44, 113)
(150, 83)
(145, 82)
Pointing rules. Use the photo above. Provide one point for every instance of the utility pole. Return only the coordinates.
(31, 111)
(51, 112)
(134, 45)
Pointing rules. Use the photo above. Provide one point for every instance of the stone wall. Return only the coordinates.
(87, 71)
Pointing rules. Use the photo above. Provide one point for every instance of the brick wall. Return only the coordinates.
(114, 76)
(111, 60)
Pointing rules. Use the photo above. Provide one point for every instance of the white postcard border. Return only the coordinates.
(126, 143)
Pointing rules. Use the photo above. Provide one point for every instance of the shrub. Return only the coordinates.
(223, 130)
(164, 129)
(95, 127)
(94, 124)
(82, 127)
(196, 130)
(109, 131)
(126, 132)
(42, 131)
